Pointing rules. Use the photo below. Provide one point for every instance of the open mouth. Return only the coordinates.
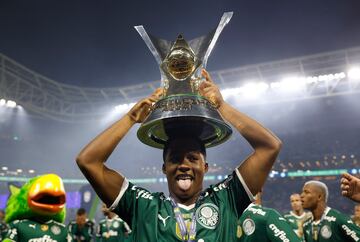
(48, 202)
(47, 195)
(184, 181)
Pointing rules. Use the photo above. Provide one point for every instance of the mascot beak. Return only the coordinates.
(47, 195)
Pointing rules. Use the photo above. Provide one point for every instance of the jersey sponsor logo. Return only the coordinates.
(279, 233)
(330, 218)
(208, 215)
(248, 226)
(55, 229)
(110, 233)
(325, 231)
(350, 232)
(220, 187)
(163, 219)
(141, 193)
(257, 211)
(45, 238)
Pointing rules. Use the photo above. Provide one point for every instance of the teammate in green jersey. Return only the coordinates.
(297, 216)
(327, 224)
(112, 228)
(190, 213)
(350, 187)
(82, 228)
(258, 223)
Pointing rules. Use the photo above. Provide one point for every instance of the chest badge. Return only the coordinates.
(248, 226)
(326, 231)
(208, 215)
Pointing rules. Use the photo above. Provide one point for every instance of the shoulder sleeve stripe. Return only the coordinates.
(251, 197)
(124, 187)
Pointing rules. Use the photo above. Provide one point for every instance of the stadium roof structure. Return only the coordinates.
(324, 74)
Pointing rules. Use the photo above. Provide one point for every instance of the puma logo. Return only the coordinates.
(32, 226)
(163, 219)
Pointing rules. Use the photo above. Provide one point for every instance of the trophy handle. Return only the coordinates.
(223, 22)
(140, 29)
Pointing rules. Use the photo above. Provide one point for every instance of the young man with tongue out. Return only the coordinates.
(190, 213)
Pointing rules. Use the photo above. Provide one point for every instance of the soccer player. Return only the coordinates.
(189, 213)
(258, 223)
(82, 229)
(112, 228)
(350, 187)
(327, 223)
(297, 216)
(356, 217)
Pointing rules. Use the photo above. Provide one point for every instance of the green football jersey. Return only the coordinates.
(264, 224)
(296, 222)
(31, 231)
(83, 234)
(333, 226)
(112, 230)
(151, 215)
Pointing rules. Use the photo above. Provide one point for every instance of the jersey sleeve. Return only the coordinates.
(348, 229)
(131, 201)
(234, 192)
(278, 229)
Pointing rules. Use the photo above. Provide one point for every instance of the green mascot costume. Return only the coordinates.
(36, 211)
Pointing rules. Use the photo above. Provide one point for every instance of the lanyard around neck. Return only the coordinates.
(191, 234)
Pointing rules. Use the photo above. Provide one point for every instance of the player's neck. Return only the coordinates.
(186, 201)
(319, 211)
(298, 212)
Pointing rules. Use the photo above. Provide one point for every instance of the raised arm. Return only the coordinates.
(255, 169)
(105, 181)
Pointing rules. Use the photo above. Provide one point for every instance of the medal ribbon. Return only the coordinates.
(181, 222)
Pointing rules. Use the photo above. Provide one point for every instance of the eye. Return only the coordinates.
(193, 157)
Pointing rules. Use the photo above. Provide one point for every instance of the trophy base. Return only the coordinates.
(184, 115)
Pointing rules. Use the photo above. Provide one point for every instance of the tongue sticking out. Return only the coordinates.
(184, 184)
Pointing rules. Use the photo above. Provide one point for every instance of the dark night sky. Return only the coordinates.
(93, 43)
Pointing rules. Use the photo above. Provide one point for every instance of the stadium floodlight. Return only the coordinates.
(10, 104)
(289, 84)
(254, 89)
(230, 92)
(31, 171)
(2, 102)
(354, 74)
(4, 168)
(249, 90)
(19, 170)
(123, 107)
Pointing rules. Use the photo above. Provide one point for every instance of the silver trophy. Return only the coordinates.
(182, 111)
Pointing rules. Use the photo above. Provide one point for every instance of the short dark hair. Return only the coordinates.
(81, 211)
(168, 142)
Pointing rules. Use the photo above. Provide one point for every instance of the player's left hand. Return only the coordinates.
(210, 91)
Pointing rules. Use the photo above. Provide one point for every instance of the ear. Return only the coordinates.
(164, 169)
(206, 167)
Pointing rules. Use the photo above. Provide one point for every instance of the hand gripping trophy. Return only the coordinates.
(182, 110)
